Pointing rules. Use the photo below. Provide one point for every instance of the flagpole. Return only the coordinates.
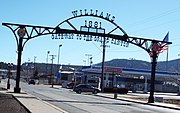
(166, 39)
(167, 60)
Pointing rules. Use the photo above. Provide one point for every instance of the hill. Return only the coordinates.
(173, 65)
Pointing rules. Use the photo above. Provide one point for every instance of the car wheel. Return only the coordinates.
(79, 91)
(95, 92)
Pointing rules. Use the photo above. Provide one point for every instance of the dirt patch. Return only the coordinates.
(8, 104)
(172, 101)
(168, 101)
(139, 99)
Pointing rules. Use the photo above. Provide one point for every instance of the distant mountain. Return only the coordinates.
(172, 65)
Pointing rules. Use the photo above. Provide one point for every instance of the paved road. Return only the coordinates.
(87, 102)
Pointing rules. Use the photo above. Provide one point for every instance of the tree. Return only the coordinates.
(36, 74)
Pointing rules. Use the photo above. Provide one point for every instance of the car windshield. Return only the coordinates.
(84, 86)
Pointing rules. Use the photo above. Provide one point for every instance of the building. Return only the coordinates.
(132, 79)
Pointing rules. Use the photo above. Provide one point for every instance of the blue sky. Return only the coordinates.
(147, 19)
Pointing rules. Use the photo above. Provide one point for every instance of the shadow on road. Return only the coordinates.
(86, 102)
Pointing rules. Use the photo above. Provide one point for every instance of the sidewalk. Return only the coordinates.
(32, 103)
(36, 105)
(143, 99)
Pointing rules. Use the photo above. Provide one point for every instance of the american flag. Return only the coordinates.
(164, 45)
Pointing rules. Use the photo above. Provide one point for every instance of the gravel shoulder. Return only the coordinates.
(9, 104)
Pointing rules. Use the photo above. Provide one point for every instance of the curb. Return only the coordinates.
(49, 104)
(21, 104)
(140, 102)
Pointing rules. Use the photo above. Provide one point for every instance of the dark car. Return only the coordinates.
(85, 88)
(32, 81)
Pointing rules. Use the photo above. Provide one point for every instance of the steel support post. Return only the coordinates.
(154, 62)
(8, 82)
(17, 89)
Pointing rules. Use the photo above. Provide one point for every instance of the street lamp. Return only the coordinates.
(10, 65)
(47, 62)
(47, 56)
(114, 88)
(91, 61)
(27, 65)
(88, 55)
(34, 61)
(52, 76)
(59, 52)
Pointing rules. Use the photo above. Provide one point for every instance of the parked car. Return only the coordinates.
(32, 81)
(86, 88)
(70, 85)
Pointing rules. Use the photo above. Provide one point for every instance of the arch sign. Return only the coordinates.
(93, 22)
(88, 25)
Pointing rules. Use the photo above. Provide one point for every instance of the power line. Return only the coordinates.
(97, 47)
(155, 17)
(175, 45)
(125, 51)
(159, 25)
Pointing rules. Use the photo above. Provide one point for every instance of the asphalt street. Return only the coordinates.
(87, 102)
(71, 102)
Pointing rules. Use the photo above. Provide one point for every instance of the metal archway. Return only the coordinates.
(27, 32)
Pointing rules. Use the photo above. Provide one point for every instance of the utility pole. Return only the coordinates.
(102, 73)
(52, 77)
(102, 65)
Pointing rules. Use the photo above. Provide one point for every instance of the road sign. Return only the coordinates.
(21, 32)
(58, 75)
